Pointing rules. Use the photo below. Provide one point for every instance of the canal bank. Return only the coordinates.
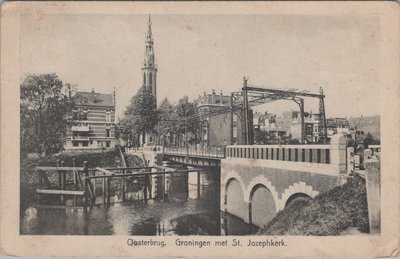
(332, 213)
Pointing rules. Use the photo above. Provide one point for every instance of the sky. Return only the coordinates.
(198, 53)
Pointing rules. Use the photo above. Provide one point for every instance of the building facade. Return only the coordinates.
(337, 125)
(93, 125)
(267, 129)
(312, 126)
(215, 127)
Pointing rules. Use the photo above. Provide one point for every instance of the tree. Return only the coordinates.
(44, 104)
(140, 116)
(167, 123)
(188, 119)
(369, 140)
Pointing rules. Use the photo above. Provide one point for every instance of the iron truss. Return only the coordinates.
(260, 95)
(251, 96)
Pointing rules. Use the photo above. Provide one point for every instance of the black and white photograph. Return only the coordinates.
(191, 124)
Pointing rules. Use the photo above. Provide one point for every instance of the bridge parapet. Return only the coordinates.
(197, 151)
(291, 153)
(333, 154)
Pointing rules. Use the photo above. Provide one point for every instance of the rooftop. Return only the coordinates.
(94, 99)
(213, 99)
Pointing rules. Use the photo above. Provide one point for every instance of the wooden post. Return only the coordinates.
(75, 176)
(108, 181)
(198, 184)
(59, 173)
(150, 183)
(75, 179)
(163, 183)
(60, 181)
(40, 185)
(86, 174)
(170, 190)
(186, 181)
(104, 190)
(63, 178)
(94, 187)
(123, 186)
(145, 189)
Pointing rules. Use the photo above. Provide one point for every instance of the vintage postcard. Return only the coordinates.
(200, 129)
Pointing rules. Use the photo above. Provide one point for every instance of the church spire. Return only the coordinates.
(149, 67)
(149, 37)
(149, 52)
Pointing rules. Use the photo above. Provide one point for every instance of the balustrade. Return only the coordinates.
(291, 153)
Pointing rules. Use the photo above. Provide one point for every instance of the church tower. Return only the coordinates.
(149, 68)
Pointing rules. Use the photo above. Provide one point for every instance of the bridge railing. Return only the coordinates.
(295, 153)
(197, 151)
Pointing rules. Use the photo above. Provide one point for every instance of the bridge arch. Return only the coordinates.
(260, 179)
(297, 190)
(225, 181)
(233, 200)
(295, 197)
(262, 205)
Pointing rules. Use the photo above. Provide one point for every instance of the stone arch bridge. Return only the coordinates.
(258, 181)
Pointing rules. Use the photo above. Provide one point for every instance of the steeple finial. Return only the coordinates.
(149, 36)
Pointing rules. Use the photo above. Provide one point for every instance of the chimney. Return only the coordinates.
(220, 98)
(93, 90)
(213, 96)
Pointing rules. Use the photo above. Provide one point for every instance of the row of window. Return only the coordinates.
(81, 134)
(285, 154)
(83, 115)
(86, 143)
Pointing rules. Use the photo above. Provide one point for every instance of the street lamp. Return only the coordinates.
(355, 142)
(355, 132)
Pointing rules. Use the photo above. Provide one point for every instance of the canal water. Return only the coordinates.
(175, 217)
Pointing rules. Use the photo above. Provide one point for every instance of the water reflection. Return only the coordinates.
(175, 217)
(234, 226)
(155, 218)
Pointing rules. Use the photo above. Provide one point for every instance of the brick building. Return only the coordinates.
(312, 126)
(215, 129)
(93, 124)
